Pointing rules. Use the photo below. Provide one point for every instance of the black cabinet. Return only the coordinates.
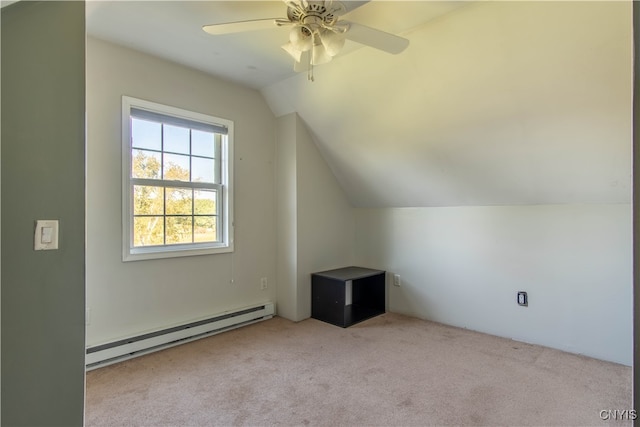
(347, 295)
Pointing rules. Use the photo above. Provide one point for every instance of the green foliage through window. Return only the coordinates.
(165, 210)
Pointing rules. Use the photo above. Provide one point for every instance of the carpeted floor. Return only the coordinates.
(391, 370)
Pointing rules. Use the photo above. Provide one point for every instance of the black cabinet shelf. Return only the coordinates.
(346, 296)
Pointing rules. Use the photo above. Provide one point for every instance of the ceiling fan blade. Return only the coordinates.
(291, 50)
(240, 26)
(376, 38)
(350, 5)
(319, 55)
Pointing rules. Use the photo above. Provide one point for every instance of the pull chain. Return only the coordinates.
(310, 71)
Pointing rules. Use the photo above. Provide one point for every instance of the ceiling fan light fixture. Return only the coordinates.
(332, 41)
(301, 38)
(319, 55)
(291, 50)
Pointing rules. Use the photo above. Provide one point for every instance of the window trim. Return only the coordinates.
(131, 253)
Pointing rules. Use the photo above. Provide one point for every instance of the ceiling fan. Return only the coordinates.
(317, 32)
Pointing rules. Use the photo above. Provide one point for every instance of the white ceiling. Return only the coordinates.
(173, 30)
(492, 103)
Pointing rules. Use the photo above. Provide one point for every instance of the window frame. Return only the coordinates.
(225, 195)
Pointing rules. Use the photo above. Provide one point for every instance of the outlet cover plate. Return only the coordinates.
(523, 300)
(396, 280)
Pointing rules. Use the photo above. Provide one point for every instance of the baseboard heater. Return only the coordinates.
(116, 351)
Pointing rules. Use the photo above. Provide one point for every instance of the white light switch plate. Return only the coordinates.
(46, 235)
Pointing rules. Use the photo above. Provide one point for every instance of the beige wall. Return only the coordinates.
(129, 298)
(463, 266)
(287, 217)
(316, 229)
(326, 221)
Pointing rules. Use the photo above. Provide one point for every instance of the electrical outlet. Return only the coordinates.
(396, 280)
(87, 316)
(264, 284)
(522, 299)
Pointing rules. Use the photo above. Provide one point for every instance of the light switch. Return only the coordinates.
(46, 235)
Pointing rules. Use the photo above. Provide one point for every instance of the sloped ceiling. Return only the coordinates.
(493, 103)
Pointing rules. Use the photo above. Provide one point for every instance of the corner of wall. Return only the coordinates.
(286, 217)
(316, 223)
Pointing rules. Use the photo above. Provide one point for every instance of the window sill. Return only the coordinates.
(141, 254)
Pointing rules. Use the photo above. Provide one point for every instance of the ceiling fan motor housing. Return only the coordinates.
(313, 15)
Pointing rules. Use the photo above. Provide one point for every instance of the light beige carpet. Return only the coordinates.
(391, 370)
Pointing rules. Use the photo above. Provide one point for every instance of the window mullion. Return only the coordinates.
(193, 216)
(175, 184)
(164, 188)
(193, 219)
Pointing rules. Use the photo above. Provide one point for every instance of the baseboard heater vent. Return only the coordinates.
(116, 351)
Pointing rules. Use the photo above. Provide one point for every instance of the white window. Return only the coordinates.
(177, 182)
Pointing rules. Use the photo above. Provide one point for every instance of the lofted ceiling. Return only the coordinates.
(493, 103)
